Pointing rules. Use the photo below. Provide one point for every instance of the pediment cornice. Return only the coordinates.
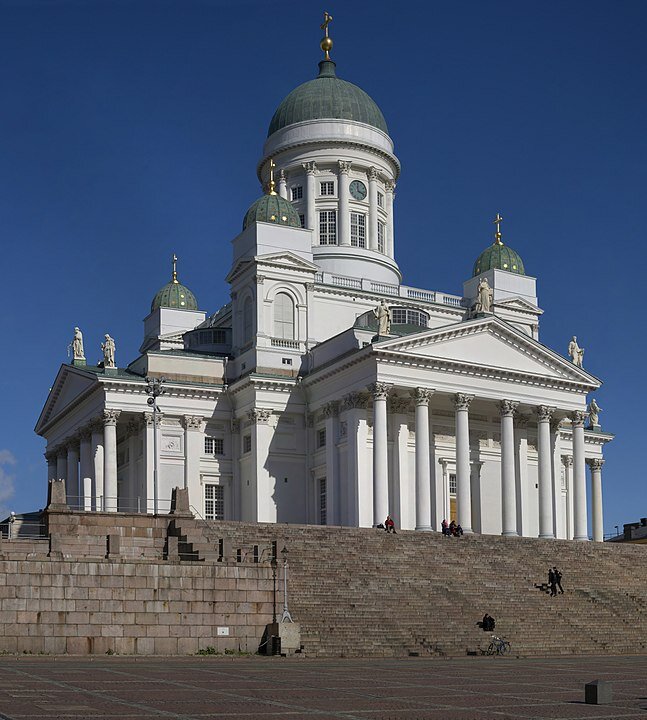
(281, 260)
(519, 304)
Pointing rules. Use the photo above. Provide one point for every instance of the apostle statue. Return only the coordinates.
(576, 352)
(383, 314)
(108, 348)
(484, 297)
(594, 414)
(76, 345)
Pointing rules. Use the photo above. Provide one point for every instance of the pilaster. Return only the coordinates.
(463, 481)
(344, 211)
(372, 209)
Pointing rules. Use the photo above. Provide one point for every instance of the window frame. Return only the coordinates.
(327, 188)
(358, 230)
(328, 227)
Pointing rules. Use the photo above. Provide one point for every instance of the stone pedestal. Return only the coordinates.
(598, 692)
(289, 635)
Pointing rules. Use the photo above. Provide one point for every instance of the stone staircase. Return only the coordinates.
(363, 592)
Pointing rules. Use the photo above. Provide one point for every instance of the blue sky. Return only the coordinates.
(131, 130)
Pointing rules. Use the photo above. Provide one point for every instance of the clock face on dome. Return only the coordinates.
(358, 190)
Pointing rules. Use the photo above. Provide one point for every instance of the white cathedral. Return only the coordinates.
(327, 391)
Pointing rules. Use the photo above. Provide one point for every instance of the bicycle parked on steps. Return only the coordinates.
(498, 646)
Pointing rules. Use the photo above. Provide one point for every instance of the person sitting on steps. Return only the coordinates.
(389, 525)
(445, 528)
(488, 623)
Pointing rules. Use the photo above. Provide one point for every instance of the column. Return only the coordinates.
(402, 500)
(544, 414)
(283, 184)
(343, 222)
(579, 477)
(358, 499)
(525, 521)
(331, 415)
(236, 500)
(262, 430)
(311, 169)
(193, 447)
(372, 211)
(423, 479)
(508, 489)
(110, 418)
(559, 522)
(86, 469)
(390, 195)
(596, 498)
(72, 485)
(97, 465)
(379, 391)
(445, 499)
(132, 499)
(463, 489)
(51, 466)
(148, 476)
(61, 465)
(568, 478)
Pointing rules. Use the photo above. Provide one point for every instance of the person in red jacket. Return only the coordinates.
(389, 525)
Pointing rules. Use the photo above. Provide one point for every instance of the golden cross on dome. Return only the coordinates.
(272, 183)
(497, 221)
(326, 41)
(174, 268)
(326, 22)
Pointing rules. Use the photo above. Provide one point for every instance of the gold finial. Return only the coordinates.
(174, 268)
(272, 183)
(326, 41)
(497, 235)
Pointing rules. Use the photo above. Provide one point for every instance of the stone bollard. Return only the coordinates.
(598, 692)
(180, 502)
(114, 546)
(172, 550)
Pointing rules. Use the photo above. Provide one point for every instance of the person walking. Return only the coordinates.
(558, 580)
(552, 582)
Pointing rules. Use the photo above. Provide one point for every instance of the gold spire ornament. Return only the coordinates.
(272, 183)
(175, 268)
(326, 41)
(497, 235)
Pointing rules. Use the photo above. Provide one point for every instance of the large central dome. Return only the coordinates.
(327, 97)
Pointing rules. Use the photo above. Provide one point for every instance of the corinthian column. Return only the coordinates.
(380, 453)
(73, 493)
(310, 169)
(596, 498)
(544, 414)
(86, 469)
(390, 195)
(463, 490)
(508, 494)
(579, 477)
(344, 212)
(110, 418)
(423, 480)
(372, 208)
(283, 185)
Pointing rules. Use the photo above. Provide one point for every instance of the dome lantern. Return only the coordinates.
(174, 294)
(498, 256)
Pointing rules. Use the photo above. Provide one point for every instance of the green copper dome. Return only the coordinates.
(327, 97)
(499, 257)
(174, 294)
(272, 209)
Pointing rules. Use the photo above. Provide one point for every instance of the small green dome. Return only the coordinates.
(272, 209)
(174, 295)
(327, 97)
(499, 257)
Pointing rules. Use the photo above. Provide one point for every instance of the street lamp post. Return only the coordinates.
(154, 389)
(273, 564)
(286, 617)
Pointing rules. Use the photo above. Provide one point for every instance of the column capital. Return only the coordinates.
(379, 390)
(422, 396)
(399, 405)
(310, 167)
(193, 422)
(508, 408)
(389, 186)
(73, 444)
(522, 421)
(577, 418)
(110, 417)
(567, 460)
(544, 413)
(373, 174)
(462, 401)
(148, 419)
(61, 452)
(330, 409)
(354, 400)
(50, 455)
(555, 423)
(595, 463)
(259, 416)
(260, 279)
(85, 434)
(344, 166)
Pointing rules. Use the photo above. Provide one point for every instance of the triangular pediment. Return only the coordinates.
(488, 344)
(71, 385)
(284, 260)
(519, 303)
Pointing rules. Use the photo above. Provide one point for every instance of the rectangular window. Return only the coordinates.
(328, 227)
(327, 188)
(452, 484)
(380, 199)
(297, 193)
(358, 230)
(323, 510)
(247, 443)
(214, 502)
(214, 446)
(302, 220)
(380, 236)
(321, 438)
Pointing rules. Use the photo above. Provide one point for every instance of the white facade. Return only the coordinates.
(285, 405)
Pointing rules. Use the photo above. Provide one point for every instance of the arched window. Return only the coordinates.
(283, 317)
(248, 320)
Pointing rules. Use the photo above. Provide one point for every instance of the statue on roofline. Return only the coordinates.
(484, 297)
(108, 349)
(76, 346)
(576, 352)
(383, 314)
(594, 414)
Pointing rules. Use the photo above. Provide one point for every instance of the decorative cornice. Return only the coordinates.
(379, 390)
(508, 408)
(422, 396)
(544, 413)
(462, 401)
(110, 417)
(577, 418)
(595, 463)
